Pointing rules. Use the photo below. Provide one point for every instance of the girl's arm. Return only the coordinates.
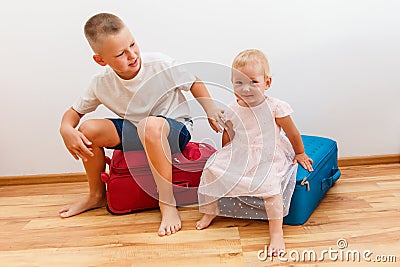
(228, 133)
(288, 126)
(225, 138)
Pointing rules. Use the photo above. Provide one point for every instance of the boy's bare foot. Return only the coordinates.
(83, 205)
(205, 221)
(276, 245)
(171, 221)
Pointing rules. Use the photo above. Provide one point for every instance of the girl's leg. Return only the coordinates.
(209, 215)
(153, 133)
(205, 221)
(101, 133)
(274, 209)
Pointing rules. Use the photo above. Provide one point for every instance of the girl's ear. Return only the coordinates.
(268, 81)
(99, 60)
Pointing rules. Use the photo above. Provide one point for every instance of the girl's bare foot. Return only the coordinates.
(171, 221)
(276, 245)
(205, 221)
(83, 205)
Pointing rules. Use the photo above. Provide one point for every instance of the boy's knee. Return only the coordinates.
(89, 129)
(153, 128)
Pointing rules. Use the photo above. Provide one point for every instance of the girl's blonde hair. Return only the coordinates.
(251, 56)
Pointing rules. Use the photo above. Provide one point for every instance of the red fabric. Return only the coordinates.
(192, 151)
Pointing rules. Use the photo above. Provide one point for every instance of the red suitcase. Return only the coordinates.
(130, 185)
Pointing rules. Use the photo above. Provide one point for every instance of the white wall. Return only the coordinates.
(336, 62)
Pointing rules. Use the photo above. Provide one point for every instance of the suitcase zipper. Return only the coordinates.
(305, 182)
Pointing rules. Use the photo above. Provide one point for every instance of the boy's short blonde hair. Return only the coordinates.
(100, 26)
(251, 56)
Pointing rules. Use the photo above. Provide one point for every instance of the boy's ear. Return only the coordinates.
(99, 60)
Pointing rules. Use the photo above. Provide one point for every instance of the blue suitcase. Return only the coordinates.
(310, 188)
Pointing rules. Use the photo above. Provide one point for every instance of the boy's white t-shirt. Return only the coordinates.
(156, 90)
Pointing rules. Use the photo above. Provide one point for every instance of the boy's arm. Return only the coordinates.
(294, 137)
(215, 116)
(76, 143)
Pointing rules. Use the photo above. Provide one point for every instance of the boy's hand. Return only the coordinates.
(77, 144)
(216, 119)
(304, 161)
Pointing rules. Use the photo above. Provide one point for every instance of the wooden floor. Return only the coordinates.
(363, 208)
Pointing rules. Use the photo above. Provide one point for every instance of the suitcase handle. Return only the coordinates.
(180, 187)
(105, 177)
(108, 160)
(177, 187)
(327, 183)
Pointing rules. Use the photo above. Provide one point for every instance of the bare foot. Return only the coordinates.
(171, 221)
(83, 205)
(205, 221)
(276, 245)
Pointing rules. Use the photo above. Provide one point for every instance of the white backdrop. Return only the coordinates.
(337, 62)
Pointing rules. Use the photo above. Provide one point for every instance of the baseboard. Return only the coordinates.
(43, 179)
(81, 177)
(369, 160)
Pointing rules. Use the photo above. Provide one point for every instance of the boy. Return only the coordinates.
(138, 89)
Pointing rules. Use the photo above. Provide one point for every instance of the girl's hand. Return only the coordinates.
(304, 161)
(216, 119)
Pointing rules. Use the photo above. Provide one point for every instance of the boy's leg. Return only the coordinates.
(153, 133)
(274, 208)
(102, 133)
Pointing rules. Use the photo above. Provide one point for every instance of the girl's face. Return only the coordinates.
(121, 53)
(249, 84)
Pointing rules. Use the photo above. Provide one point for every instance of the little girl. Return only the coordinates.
(256, 159)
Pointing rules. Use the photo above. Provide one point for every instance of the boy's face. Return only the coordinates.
(121, 53)
(249, 84)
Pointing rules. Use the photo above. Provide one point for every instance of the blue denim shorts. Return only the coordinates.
(178, 136)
